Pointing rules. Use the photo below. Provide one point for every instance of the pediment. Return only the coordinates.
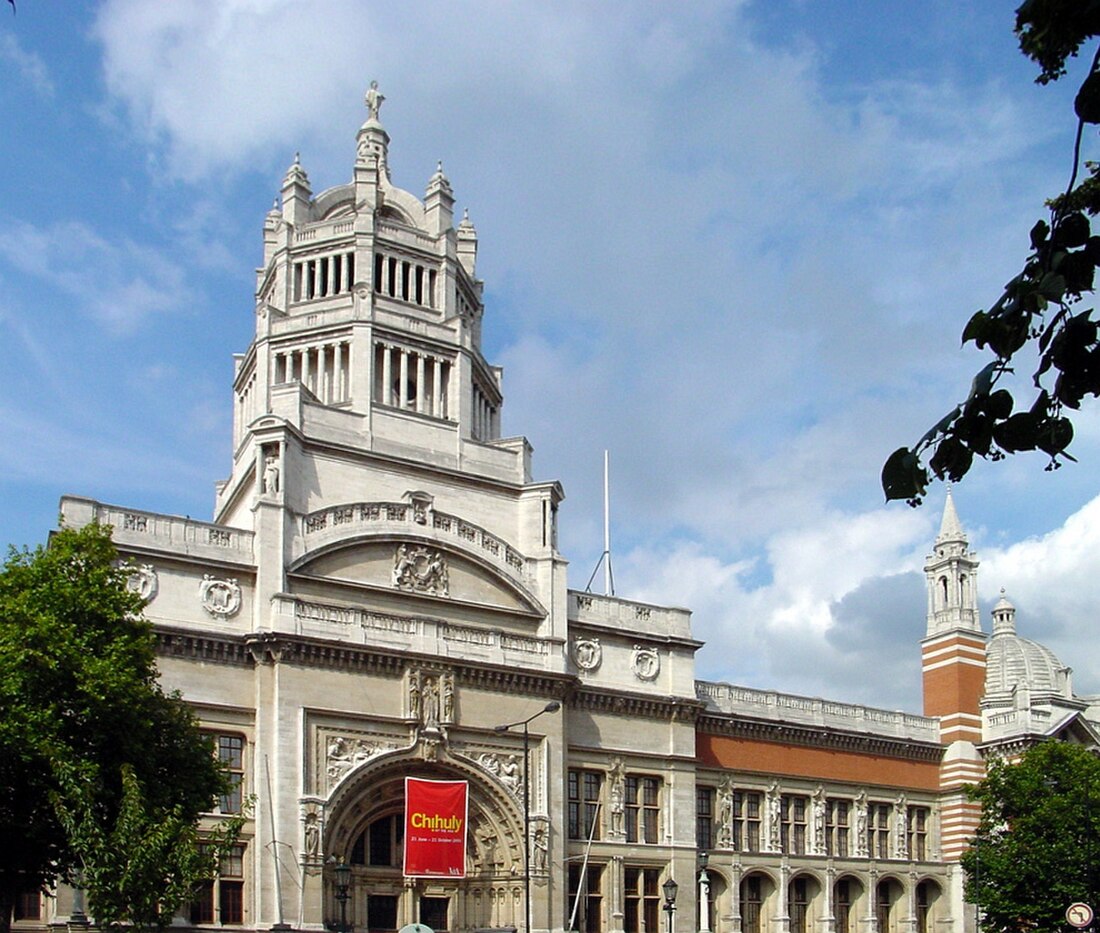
(418, 568)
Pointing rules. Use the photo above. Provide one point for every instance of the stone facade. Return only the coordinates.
(381, 588)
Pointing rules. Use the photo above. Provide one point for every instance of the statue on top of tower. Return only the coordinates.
(374, 100)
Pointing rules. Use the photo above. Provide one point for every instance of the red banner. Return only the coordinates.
(435, 828)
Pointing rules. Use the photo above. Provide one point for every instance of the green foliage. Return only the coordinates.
(1039, 308)
(1038, 842)
(95, 758)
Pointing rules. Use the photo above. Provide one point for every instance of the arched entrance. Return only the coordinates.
(364, 826)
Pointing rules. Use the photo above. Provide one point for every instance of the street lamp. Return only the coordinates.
(552, 707)
(704, 894)
(342, 877)
(670, 888)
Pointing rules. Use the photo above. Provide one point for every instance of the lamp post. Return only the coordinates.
(342, 877)
(552, 707)
(670, 888)
(704, 894)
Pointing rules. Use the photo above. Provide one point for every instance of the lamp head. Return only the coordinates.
(670, 888)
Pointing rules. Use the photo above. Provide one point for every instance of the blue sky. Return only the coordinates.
(733, 243)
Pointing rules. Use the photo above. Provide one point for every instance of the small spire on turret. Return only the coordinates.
(1004, 616)
(296, 175)
(467, 243)
(950, 527)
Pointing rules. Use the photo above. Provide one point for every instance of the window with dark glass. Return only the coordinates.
(798, 905)
(433, 913)
(882, 906)
(585, 897)
(842, 906)
(28, 905)
(751, 900)
(641, 799)
(836, 827)
(792, 824)
(642, 900)
(878, 830)
(584, 804)
(922, 907)
(746, 821)
(917, 827)
(704, 818)
(381, 913)
(221, 899)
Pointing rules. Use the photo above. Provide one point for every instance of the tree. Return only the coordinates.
(101, 771)
(1038, 840)
(1039, 310)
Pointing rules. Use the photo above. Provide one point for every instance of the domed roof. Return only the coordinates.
(1012, 660)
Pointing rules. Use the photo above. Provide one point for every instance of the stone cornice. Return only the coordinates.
(201, 646)
(645, 706)
(817, 737)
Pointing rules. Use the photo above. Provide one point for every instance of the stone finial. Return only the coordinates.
(374, 101)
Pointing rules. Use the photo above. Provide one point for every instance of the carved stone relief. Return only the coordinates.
(343, 753)
(420, 569)
(143, 581)
(587, 653)
(220, 598)
(505, 769)
(430, 697)
(646, 663)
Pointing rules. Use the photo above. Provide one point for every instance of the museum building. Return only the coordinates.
(380, 595)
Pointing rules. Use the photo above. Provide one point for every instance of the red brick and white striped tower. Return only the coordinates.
(953, 668)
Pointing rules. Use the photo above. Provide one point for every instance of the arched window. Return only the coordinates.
(751, 900)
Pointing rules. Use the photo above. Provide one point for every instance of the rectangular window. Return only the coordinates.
(792, 824)
(750, 904)
(433, 913)
(836, 827)
(746, 821)
(28, 905)
(381, 913)
(843, 906)
(585, 897)
(704, 818)
(878, 830)
(221, 900)
(922, 907)
(642, 902)
(641, 799)
(231, 756)
(917, 827)
(799, 904)
(584, 804)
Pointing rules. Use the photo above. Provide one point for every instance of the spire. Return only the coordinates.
(950, 527)
(439, 202)
(296, 193)
(467, 244)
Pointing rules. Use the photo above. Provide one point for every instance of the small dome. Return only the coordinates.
(1012, 660)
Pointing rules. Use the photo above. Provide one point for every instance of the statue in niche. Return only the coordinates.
(616, 793)
(901, 847)
(724, 836)
(414, 695)
(817, 809)
(539, 848)
(271, 474)
(312, 835)
(431, 703)
(374, 100)
(861, 823)
(775, 814)
(447, 689)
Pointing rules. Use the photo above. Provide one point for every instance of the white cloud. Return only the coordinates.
(28, 65)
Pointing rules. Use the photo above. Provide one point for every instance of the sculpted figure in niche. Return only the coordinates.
(431, 703)
(447, 682)
(313, 835)
(724, 836)
(271, 474)
(901, 847)
(414, 695)
(509, 774)
(818, 812)
(861, 823)
(775, 811)
(539, 848)
(616, 777)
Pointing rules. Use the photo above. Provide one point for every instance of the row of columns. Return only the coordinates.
(322, 276)
(413, 380)
(486, 425)
(323, 369)
(405, 280)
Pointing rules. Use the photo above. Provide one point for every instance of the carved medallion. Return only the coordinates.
(143, 581)
(587, 653)
(645, 662)
(420, 569)
(221, 598)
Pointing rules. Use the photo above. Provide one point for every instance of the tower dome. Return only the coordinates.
(1013, 661)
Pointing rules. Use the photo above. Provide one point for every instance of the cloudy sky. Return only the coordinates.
(732, 243)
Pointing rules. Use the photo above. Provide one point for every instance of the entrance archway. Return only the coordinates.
(364, 826)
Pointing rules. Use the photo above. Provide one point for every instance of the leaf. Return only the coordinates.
(1020, 432)
(1055, 435)
(1087, 102)
(902, 476)
(1039, 234)
(983, 381)
(999, 404)
(976, 329)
